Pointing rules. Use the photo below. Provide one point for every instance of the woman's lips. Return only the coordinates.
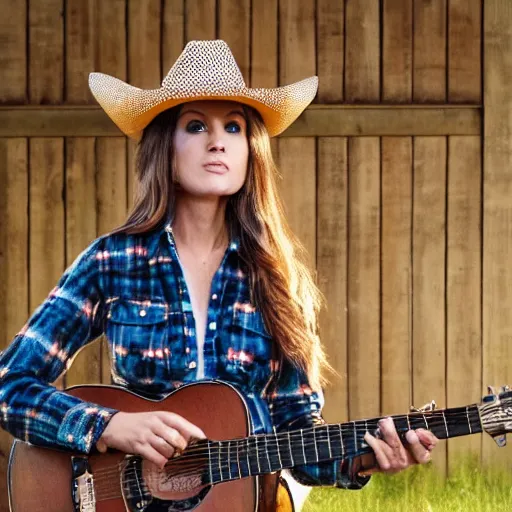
(216, 167)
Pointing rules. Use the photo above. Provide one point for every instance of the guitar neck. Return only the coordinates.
(262, 454)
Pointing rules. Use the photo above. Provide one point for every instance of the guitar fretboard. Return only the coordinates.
(262, 454)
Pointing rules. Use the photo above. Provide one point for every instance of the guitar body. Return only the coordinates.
(41, 480)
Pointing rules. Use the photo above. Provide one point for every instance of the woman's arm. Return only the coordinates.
(31, 409)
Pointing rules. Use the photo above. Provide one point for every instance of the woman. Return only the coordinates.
(203, 281)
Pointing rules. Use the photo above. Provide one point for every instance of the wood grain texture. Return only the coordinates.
(13, 57)
(362, 50)
(200, 19)
(497, 246)
(264, 44)
(46, 51)
(173, 32)
(14, 233)
(316, 120)
(464, 51)
(396, 50)
(81, 229)
(429, 51)
(363, 276)
(80, 45)
(332, 268)
(428, 256)
(330, 52)
(396, 278)
(464, 306)
(111, 38)
(144, 24)
(234, 28)
(296, 40)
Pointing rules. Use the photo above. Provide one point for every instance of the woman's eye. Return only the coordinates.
(233, 127)
(195, 126)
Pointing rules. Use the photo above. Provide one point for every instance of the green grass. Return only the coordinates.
(421, 489)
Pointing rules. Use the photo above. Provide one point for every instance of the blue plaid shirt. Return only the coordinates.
(132, 288)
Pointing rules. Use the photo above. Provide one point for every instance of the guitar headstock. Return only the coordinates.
(496, 414)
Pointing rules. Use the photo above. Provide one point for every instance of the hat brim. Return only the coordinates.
(132, 109)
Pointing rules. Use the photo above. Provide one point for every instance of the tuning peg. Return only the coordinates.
(500, 440)
(428, 407)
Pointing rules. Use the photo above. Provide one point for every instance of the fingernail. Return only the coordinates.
(411, 436)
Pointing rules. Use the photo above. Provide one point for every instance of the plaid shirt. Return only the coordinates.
(132, 288)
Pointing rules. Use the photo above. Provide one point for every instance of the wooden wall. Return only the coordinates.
(399, 196)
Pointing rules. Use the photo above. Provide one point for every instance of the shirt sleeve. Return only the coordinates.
(30, 408)
(293, 406)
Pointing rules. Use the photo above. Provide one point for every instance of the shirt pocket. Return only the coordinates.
(247, 349)
(137, 332)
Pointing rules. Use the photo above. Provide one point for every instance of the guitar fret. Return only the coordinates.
(220, 460)
(268, 456)
(329, 442)
(303, 448)
(445, 425)
(238, 459)
(278, 450)
(341, 441)
(257, 454)
(248, 461)
(290, 446)
(355, 437)
(314, 443)
(469, 422)
(210, 461)
(426, 422)
(408, 422)
(229, 460)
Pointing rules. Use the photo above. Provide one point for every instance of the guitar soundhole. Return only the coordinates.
(147, 488)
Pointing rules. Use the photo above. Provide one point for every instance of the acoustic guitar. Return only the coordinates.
(231, 471)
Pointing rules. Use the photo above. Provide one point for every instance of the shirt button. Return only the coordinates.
(142, 312)
(192, 364)
(213, 326)
(214, 296)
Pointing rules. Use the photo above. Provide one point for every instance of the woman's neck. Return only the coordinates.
(199, 224)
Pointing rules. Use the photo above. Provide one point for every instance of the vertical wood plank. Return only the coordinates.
(264, 44)
(144, 43)
(362, 44)
(46, 51)
(173, 32)
(429, 50)
(464, 339)
(81, 229)
(396, 278)
(429, 246)
(46, 210)
(234, 28)
(80, 36)
(297, 156)
(330, 36)
(497, 247)
(111, 168)
(200, 19)
(397, 51)
(464, 51)
(332, 165)
(14, 309)
(332, 268)
(144, 60)
(13, 57)
(363, 276)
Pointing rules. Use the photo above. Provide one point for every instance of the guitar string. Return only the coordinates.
(184, 470)
(202, 448)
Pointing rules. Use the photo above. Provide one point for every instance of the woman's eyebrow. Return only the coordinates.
(191, 111)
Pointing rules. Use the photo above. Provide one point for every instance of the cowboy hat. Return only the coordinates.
(205, 70)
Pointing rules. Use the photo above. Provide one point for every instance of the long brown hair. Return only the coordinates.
(282, 286)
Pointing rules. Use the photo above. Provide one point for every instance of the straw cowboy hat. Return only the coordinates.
(205, 70)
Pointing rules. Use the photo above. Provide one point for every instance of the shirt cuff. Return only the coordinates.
(348, 475)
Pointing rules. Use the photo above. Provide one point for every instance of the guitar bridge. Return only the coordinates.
(84, 498)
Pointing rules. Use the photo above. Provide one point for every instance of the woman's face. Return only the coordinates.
(211, 148)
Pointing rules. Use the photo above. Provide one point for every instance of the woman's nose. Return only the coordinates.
(216, 141)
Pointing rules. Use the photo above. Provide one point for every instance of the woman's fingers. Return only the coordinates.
(427, 439)
(187, 430)
(148, 452)
(170, 435)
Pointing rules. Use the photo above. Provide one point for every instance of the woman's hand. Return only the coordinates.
(390, 455)
(156, 436)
